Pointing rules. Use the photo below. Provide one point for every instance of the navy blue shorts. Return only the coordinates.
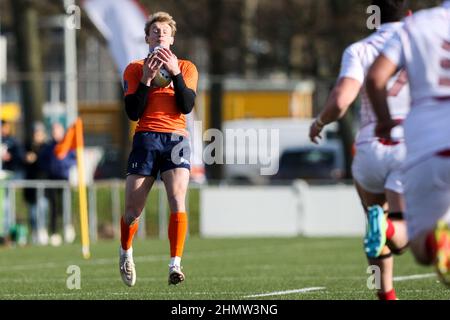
(157, 152)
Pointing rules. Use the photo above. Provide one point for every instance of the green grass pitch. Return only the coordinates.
(219, 269)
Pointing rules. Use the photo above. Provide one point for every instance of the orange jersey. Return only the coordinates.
(161, 113)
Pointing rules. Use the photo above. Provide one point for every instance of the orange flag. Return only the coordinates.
(71, 141)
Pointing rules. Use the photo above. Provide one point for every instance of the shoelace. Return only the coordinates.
(128, 266)
(175, 268)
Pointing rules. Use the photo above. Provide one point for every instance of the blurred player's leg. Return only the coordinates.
(396, 234)
(378, 253)
(442, 236)
(385, 261)
(176, 182)
(378, 222)
(427, 187)
(137, 189)
(433, 247)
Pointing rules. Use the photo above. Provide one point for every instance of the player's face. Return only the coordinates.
(160, 34)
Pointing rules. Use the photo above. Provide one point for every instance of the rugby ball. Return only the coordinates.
(162, 78)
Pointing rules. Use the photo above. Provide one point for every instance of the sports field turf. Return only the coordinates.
(215, 269)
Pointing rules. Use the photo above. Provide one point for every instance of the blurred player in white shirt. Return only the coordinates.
(422, 47)
(376, 167)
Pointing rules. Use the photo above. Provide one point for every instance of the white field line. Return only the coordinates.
(280, 293)
(397, 279)
(415, 277)
(106, 294)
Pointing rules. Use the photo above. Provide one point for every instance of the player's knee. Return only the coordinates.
(177, 198)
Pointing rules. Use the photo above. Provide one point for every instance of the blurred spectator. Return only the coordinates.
(12, 156)
(11, 151)
(36, 207)
(56, 169)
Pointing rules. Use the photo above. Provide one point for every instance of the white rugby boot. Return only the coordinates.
(175, 275)
(127, 268)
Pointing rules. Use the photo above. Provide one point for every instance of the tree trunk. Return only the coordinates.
(216, 70)
(248, 35)
(29, 62)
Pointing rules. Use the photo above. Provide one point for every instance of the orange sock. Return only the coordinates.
(177, 233)
(127, 233)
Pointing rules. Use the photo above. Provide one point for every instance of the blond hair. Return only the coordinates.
(161, 17)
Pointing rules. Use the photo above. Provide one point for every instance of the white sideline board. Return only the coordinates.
(315, 211)
(332, 211)
(248, 212)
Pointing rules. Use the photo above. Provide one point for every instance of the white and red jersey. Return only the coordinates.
(356, 61)
(422, 47)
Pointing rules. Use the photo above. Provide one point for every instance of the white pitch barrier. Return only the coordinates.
(300, 209)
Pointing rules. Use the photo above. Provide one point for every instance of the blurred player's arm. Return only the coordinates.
(344, 92)
(378, 77)
(340, 99)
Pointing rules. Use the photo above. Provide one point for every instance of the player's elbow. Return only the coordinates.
(131, 109)
(341, 102)
(187, 108)
(132, 115)
(343, 95)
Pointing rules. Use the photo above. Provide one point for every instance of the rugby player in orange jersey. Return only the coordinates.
(160, 143)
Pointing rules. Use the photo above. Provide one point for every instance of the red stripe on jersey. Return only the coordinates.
(445, 63)
(444, 82)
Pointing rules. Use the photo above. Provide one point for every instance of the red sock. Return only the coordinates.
(431, 245)
(390, 231)
(390, 295)
(127, 233)
(177, 233)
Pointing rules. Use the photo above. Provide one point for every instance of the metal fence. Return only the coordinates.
(115, 201)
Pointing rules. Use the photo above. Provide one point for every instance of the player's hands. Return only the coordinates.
(383, 129)
(315, 130)
(169, 60)
(151, 66)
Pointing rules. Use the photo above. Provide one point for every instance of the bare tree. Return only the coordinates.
(216, 70)
(29, 61)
